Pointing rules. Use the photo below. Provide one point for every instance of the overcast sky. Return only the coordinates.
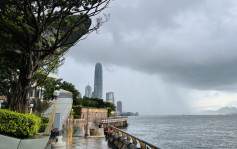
(162, 56)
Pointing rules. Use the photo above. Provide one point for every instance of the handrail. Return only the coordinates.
(109, 120)
(144, 144)
(51, 120)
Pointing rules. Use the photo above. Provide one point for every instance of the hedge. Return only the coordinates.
(44, 123)
(43, 127)
(44, 119)
(18, 124)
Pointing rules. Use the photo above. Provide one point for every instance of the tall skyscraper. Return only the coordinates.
(88, 91)
(98, 81)
(119, 106)
(110, 97)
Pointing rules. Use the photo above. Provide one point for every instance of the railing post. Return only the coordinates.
(134, 141)
(123, 134)
(119, 133)
(142, 144)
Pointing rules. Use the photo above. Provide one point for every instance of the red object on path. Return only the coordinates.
(108, 132)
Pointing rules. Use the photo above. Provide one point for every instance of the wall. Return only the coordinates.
(93, 113)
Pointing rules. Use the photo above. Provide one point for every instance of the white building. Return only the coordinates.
(119, 106)
(88, 90)
(110, 97)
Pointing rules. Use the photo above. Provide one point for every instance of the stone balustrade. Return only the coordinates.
(124, 140)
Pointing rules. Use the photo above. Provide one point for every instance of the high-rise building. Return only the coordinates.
(119, 106)
(88, 91)
(110, 97)
(92, 95)
(98, 81)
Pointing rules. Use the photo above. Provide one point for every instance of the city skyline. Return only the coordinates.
(178, 60)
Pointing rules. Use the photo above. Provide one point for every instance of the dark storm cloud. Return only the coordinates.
(188, 42)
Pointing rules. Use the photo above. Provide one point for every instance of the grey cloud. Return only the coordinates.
(188, 42)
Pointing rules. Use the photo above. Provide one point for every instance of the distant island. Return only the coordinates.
(222, 111)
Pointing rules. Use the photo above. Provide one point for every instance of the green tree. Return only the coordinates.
(40, 106)
(71, 88)
(50, 85)
(32, 32)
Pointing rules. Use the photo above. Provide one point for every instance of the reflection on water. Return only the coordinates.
(74, 137)
(69, 135)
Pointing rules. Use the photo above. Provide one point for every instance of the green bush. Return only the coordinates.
(77, 111)
(77, 116)
(44, 123)
(44, 119)
(43, 127)
(18, 124)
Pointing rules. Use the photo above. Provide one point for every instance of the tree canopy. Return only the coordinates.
(51, 84)
(34, 33)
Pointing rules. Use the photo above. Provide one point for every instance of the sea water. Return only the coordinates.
(186, 131)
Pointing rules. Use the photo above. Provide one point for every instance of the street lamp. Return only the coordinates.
(86, 132)
(56, 93)
(31, 106)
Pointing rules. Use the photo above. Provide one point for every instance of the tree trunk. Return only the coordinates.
(20, 100)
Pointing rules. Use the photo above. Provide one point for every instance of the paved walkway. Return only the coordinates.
(88, 143)
(76, 140)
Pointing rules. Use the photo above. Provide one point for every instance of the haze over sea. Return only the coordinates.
(186, 131)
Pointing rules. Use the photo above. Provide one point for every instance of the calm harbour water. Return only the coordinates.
(186, 131)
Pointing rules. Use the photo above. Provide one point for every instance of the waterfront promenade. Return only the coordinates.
(88, 143)
(74, 138)
(73, 134)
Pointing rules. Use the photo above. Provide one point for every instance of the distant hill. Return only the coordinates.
(227, 110)
(224, 111)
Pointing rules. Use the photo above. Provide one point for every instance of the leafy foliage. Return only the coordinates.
(77, 111)
(17, 124)
(43, 127)
(44, 123)
(92, 103)
(71, 88)
(51, 84)
(40, 106)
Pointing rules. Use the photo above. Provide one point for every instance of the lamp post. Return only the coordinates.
(31, 106)
(56, 93)
(86, 133)
(59, 142)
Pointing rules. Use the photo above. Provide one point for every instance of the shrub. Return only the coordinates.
(18, 124)
(44, 123)
(77, 111)
(44, 119)
(40, 106)
(43, 127)
(77, 116)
